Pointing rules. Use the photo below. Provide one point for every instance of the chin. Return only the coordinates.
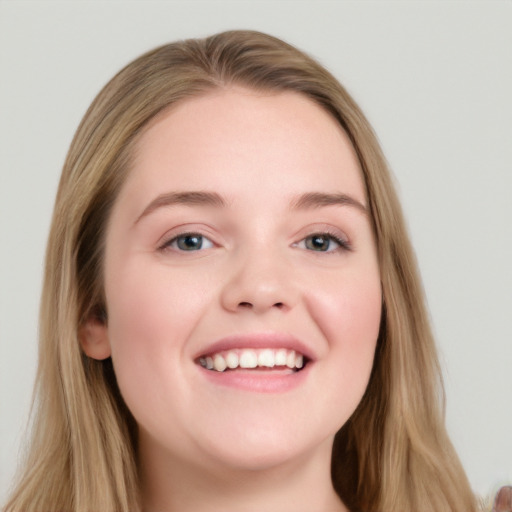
(260, 449)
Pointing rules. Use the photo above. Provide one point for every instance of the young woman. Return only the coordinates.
(232, 317)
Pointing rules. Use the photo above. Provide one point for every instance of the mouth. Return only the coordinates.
(275, 360)
(257, 362)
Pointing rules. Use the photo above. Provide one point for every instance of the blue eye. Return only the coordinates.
(324, 242)
(189, 242)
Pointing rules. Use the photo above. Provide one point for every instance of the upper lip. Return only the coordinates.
(257, 341)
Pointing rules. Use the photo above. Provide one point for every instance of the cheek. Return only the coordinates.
(348, 306)
(152, 306)
(348, 311)
(151, 315)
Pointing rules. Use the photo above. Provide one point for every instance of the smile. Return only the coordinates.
(249, 358)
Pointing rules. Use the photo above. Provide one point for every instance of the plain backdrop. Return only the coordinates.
(434, 79)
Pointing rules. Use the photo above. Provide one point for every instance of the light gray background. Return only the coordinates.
(435, 80)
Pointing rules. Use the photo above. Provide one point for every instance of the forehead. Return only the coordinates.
(237, 139)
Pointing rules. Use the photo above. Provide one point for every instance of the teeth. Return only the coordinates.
(290, 359)
(219, 364)
(266, 358)
(252, 358)
(248, 359)
(232, 359)
(280, 358)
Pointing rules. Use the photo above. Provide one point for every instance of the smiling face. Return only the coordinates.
(241, 282)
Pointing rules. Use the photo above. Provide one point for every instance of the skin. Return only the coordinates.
(208, 446)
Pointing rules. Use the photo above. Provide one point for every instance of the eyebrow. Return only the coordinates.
(184, 198)
(309, 200)
(319, 199)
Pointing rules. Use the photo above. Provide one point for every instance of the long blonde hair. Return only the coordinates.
(393, 455)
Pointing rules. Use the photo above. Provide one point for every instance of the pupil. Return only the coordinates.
(320, 243)
(190, 242)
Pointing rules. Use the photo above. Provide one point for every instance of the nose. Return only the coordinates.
(260, 283)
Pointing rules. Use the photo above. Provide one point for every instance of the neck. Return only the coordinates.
(304, 484)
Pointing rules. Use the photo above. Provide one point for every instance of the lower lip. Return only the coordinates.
(257, 381)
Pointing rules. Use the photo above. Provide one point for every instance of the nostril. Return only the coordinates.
(250, 305)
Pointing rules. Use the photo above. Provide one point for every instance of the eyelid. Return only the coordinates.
(202, 247)
(182, 231)
(334, 234)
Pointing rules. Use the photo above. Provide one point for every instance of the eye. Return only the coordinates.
(189, 242)
(323, 242)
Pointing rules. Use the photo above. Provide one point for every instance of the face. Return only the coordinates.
(241, 280)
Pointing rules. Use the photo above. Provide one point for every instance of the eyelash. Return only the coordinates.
(168, 244)
(343, 245)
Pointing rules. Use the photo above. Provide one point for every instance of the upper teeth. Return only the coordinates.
(252, 358)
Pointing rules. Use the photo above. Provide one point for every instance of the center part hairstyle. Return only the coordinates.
(392, 455)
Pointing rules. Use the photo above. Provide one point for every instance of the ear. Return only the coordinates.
(93, 337)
